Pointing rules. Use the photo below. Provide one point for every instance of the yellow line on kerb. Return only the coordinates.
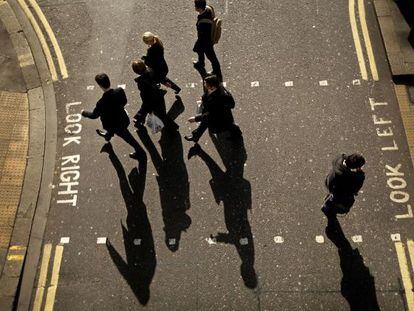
(51, 291)
(41, 284)
(41, 38)
(367, 40)
(405, 274)
(52, 37)
(410, 245)
(357, 41)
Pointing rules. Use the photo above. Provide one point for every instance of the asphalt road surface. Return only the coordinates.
(157, 236)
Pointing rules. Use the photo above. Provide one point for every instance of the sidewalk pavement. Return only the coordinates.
(395, 30)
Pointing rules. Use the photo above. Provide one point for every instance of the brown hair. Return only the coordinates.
(138, 66)
(103, 80)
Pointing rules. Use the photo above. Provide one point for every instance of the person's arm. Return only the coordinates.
(95, 114)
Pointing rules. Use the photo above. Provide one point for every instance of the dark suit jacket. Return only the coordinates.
(110, 108)
(155, 60)
(204, 30)
(217, 110)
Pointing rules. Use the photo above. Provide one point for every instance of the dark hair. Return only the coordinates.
(139, 67)
(103, 80)
(200, 4)
(212, 81)
(355, 160)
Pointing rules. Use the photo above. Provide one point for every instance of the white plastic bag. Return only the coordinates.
(154, 123)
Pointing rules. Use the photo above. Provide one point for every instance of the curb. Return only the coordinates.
(18, 276)
(394, 32)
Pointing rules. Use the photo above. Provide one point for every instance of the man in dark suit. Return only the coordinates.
(204, 45)
(110, 109)
(152, 97)
(216, 113)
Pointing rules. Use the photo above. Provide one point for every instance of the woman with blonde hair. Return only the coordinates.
(155, 60)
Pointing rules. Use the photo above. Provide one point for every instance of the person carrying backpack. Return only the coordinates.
(208, 33)
(343, 183)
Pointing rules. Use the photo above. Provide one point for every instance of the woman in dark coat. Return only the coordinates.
(155, 60)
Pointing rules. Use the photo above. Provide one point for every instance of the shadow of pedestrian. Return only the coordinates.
(357, 285)
(234, 191)
(139, 267)
(173, 184)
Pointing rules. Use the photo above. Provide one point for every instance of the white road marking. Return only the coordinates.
(254, 84)
(319, 239)
(396, 237)
(323, 83)
(191, 85)
(64, 240)
(90, 87)
(356, 82)
(122, 86)
(244, 241)
(211, 241)
(101, 240)
(225, 84)
(278, 239)
(408, 215)
(357, 239)
(288, 83)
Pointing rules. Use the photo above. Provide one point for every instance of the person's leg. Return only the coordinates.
(211, 55)
(200, 64)
(128, 138)
(171, 84)
(197, 133)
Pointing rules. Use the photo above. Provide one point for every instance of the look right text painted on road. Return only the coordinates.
(394, 172)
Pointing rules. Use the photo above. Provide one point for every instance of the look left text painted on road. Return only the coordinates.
(69, 164)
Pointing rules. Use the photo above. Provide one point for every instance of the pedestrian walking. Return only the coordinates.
(152, 97)
(156, 61)
(216, 115)
(343, 183)
(114, 118)
(204, 46)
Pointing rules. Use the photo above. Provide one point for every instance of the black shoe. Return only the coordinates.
(103, 134)
(177, 90)
(194, 150)
(198, 66)
(134, 155)
(328, 211)
(190, 138)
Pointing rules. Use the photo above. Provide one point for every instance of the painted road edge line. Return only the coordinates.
(367, 40)
(405, 275)
(51, 290)
(41, 284)
(410, 246)
(41, 38)
(357, 40)
(52, 37)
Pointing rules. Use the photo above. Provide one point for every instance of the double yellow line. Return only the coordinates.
(42, 281)
(405, 271)
(367, 40)
(42, 40)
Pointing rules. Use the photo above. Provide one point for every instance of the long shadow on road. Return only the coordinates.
(173, 184)
(234, 191)
(139, 267)
(357, 285)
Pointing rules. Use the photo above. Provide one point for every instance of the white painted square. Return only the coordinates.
(191, 85)
(101, 240)
(357, 238)
(320, 239)
(137, 241)
(244, 241)
(171, 241)
(64, 240)
(278, 239)
(122, 86)
(288, 83)
(356, 82)
(225, 84)
(90, 87)
(211, 241)
(323, 83)
(254, 84)
(396, 237)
